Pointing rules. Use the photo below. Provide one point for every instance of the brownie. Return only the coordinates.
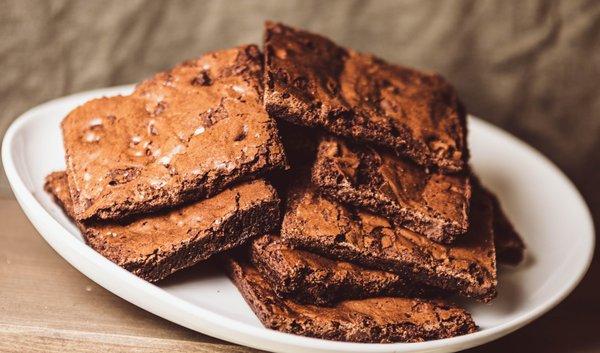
(467, 267)
(375, 320)
(427, 202)
(510, 247)
(311, 81)
(183, 135)
(309, 278)
(154, 246)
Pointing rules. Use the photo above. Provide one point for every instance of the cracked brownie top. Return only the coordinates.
(183, 135)
(309, 80)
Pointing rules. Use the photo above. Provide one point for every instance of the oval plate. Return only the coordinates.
(543, 204)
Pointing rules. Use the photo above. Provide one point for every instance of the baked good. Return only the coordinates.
(467, 267)
(311, 81)
(427, 202)
(154, 246)
(510, 247)
(376, 320)
(183, 135)
(313, 279)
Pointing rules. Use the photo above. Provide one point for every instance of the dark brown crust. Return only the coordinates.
(156, 246)
(427, 202)
(375, 320)
(468, 267)
(183, 135)
(312, 279)
(311, 81)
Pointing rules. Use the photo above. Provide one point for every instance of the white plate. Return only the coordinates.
(544, 205)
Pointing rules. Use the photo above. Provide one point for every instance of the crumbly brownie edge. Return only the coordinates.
(467, 283)
(299, 113)
(263, 301)
(293, 283)
(322, 286)
(61, 197)
(260, 218)
(430, 277)
(285, 283)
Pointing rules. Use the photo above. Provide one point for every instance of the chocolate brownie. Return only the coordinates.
(427, 202)
(376, 320)
(309, 278)
(311, 81)
(183, 135)
(467, 267)
(154, 246)
(510, 247)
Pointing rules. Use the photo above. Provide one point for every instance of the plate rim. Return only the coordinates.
(147, 295)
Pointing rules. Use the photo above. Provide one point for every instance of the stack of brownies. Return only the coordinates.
(375, 219)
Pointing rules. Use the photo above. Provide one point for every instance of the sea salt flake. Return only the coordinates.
(96, 122)
(166, 159)
(238, 89)
(223, 165)
(91, 137)
(157, 183)
(199, 130)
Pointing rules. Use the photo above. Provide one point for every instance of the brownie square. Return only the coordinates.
(427, 202)
(154, 246)
(467, 267)
(183, 135)
(374, 320)
(313, 279)
(311, 81)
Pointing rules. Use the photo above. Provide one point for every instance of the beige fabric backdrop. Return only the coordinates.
(532, 67)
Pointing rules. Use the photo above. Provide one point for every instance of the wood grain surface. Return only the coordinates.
(46, 305)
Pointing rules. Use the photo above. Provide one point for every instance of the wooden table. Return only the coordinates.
(48, 306)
